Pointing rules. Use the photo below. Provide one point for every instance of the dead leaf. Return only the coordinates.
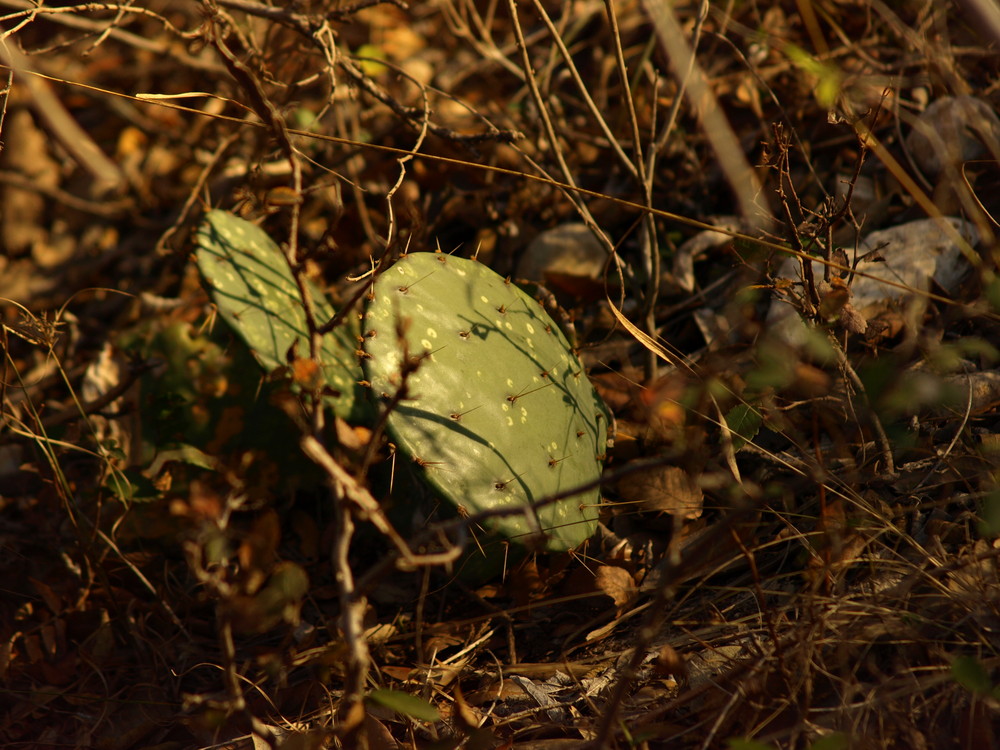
(259, 548)
(526, 584)
(852, 320)
(670, 663)
(103, 375)
(279, 601)
(378, 735)
(305, 372)
(662, 405)
(615, 582)
(809, 381)
(352, 438)
(616, 390)
(467, 718)
(52, 600)
(833, 297)
(665, 489)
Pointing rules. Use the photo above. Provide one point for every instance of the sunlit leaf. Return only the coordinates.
(405, 704)
(829, 78)
(369, 56)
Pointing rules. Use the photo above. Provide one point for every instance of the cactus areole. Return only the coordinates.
(498, 411)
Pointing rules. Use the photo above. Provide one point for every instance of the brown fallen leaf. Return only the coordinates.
(617, 583)
(669, 663)
(664, 489)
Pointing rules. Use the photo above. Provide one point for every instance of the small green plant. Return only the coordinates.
(257, 296)
(485, 394)
(480, 387)
(972, 674)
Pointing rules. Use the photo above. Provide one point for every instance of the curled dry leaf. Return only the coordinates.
(833, 296)
(280, 600)
(615, 582)
(669, 663)
(665, 489)
(852, 320)
(102, 376)
(352, 437)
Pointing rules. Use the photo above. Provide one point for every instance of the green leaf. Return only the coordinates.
(970, 673)
(828, 81)
(130, 486)
(182, 453)
(989, 525)
(405, 704)
(368, 58)
(744, 421)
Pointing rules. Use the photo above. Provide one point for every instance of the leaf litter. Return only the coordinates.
(797, 543)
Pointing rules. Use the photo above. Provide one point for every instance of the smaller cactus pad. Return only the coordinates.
(499, 412)
(257, 296)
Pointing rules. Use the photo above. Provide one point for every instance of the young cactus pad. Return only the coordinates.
(499, 411)
(257, 296)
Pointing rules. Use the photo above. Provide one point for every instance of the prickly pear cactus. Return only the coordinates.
(499, 411)
(257, 296)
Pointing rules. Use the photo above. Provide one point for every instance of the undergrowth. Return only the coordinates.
(781, 278)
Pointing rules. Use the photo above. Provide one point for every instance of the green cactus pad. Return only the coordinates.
(500, 412)
(257, 296)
